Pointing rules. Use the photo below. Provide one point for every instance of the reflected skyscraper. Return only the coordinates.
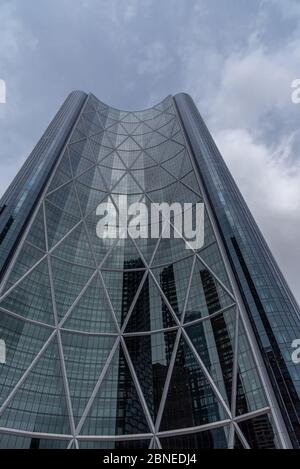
(139, 343)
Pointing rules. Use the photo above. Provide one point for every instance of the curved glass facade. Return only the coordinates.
(126, 343)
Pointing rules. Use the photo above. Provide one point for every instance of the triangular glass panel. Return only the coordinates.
(92, 179)
(151, 357)
(95, 150)
(206, 295)
(100, 244)
(116, 409)
(27, 258)
(174, 281)
(63, 173)
(130, 127)
(89, 198)
(260, 432)
(93, 117)
(191, 181)
(92, 313)
(65, 199)
(167, 129)
(147, 140)
(174, 165)
(102, 139)
(170, 251)
(214, 438)
(176, 128)
(122, 287)
(79, 163)
(250, 392)
(69, 280)
(59, 223)
(113, 161)
(143, 161)
(150, 312)
(85, 357)
(212, 257)
(214, 341)
(75, 248)
(147, 247)
(36, 235)
(129, 157)
(191, 401)
(39, 404)
(130, 117)
(186, 167)
(88, 127)
(130, 145)
(83, 126)
(31, 298)
(124, 255)
(127, 185)
(116, 139)
(179, 138)
(23, 342)
(83, 148)
(77, 136)
(116, 128)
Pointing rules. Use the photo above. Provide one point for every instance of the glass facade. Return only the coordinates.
(129, 343)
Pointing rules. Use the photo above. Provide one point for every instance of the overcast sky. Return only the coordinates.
(236, 58)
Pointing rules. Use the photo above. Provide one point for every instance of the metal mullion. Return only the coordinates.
(27, 434)
(61, 353)
(188, 291)
(114, 438)
(145, 333)
(66, 383)
(97, 387)
(241, 436)
(166, 301)
(231, 436)
(135, 299)
(158, 443)
(209, 317)
(167, 382)
(253, 414)
(207, 374)
(26, 373)
(194, 430)
(26, 320)
(138, 387)
(76, 301)
(235, 364)
(20, 279)
(114, 316)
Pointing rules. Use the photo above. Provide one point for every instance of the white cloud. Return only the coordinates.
(271, 187)
(253, 85)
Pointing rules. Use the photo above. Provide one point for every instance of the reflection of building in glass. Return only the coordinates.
(139, 343)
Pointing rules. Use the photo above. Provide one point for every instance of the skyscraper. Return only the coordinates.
(139, 343)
